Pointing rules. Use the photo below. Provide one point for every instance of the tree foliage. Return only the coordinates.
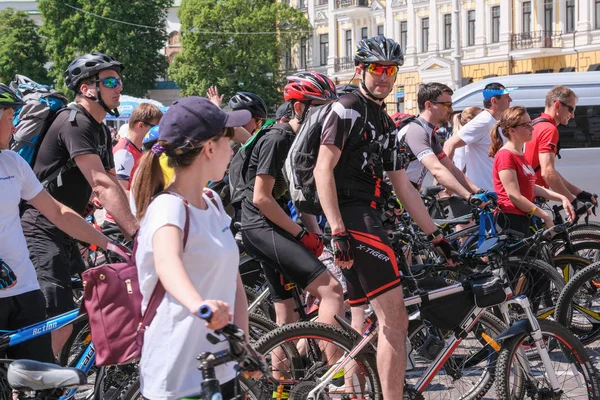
(21, 50)
(71, 33)
(234, 62)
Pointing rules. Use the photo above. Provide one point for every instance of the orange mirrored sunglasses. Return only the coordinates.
(379, 69)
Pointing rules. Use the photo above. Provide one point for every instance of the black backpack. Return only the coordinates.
(238, 168)
(537, 121)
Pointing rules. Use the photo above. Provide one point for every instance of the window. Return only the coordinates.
(424, 35)
(495, 24)
(380, 30)
(322, 2)
(570, 16)
(303, 53)
(447, 31)
(324, 48)
(364, 33)
(583, 131)
(404, 35)
(471, 28)
(348, 43)
(526, 17)
(548, 8)
(597, 14)
(288, 59)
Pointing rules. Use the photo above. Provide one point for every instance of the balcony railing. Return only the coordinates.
(536, 40)
(351, 3)
(343, 64)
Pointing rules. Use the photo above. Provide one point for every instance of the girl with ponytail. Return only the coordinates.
(184, 242)
(514, 178)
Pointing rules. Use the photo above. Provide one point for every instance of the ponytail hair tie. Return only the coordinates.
(157, 149)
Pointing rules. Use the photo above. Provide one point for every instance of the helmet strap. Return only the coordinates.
(300, 118)
(367, 91)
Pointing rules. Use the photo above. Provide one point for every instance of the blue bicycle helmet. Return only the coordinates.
(150, 138)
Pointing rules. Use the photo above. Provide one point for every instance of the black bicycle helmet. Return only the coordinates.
(345, 88)
(251, 102)
(89, 65)
(377, 49)
(8, 98)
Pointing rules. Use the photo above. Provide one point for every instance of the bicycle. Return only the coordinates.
(522, 345)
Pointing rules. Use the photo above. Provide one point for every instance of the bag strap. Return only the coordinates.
(159, 290)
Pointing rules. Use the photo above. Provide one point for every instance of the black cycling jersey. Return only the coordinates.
(267, 158)
(368, 149)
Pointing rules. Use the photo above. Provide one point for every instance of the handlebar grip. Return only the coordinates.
(205, 312)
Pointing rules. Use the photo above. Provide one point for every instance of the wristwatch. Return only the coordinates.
(434, 234)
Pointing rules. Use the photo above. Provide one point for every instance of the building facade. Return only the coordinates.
(496, 37)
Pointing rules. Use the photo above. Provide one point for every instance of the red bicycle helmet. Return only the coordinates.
(308, 86)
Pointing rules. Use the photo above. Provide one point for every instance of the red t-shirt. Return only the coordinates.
(127, 158)
(506, 159)
(544, 140)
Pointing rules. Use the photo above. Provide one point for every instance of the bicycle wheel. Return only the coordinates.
(252, 390)
(585, 243)
(520, 372)
(302, 352)
(259, 326)
(266, 307)
(468, 373)
(578, 306)
(5, 390)
(568, 265)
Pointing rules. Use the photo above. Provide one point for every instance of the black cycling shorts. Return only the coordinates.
(375, 269)
(283, 258)
(18, 312)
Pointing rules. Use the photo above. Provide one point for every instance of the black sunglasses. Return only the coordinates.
(571, 109)
(149, 124)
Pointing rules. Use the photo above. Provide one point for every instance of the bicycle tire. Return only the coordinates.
(266, 307)
(556, 337)
(258, 326)
(5, 389)
(286, 335)
(586, 243)
(252, 390)
(578, 286)
(569, 264)
(492, 326)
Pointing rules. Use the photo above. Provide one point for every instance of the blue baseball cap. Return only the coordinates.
(197, 119)
(489, 93)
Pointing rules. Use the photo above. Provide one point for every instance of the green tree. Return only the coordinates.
(234, 62)
(100, 27)
(21, 50)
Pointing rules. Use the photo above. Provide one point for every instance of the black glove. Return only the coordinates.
(342, 249)
(579, 206)
(585, 196)
(444, 248)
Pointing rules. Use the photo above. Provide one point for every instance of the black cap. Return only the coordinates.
(197, 119)
(284, 110)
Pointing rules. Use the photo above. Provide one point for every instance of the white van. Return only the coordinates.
(579, 140)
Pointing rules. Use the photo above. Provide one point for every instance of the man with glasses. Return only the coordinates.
(77, 151)
(476, 136)
(543, 148)
(435, 109)
(358, 144)
(128, 151)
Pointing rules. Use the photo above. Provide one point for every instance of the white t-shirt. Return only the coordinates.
(168, 368)
(17, 181)
(476, 134)
(459, 158)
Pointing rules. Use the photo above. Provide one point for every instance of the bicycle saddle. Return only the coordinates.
(430, 191)
(37, 376)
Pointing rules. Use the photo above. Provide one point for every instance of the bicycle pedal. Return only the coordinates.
(431, 348)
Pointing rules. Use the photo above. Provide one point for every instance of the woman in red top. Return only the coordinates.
(514, 178)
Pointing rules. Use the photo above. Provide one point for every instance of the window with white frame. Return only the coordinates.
(447, 31)
(495, 24)
(323, 48)
(471, 28)
(424, 35)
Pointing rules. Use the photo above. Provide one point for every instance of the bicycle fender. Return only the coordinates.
(517, 328)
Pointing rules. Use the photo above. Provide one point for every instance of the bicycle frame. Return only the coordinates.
(85, 362)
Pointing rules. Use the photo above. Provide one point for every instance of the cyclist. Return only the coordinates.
(283, 113)
(542, 150)
(268, 232)
(435, 108)
(514, 177)
(194, 134)
(254, 104)
(476, 135)
(127, 153)
(22, 302)
(352, 190)
(78, 144)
